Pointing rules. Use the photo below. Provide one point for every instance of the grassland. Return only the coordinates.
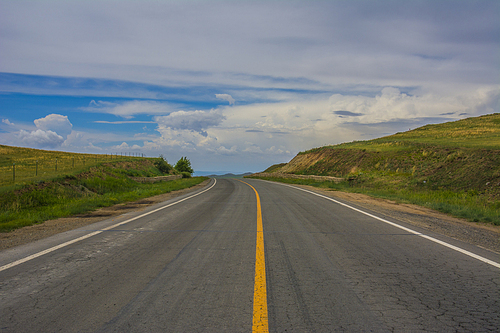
(77, 190)
(452, 167)
(24, 165)
(476, 132)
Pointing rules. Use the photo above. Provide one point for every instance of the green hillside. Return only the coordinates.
(22, 165)
(78, 183)
(450, 167)
(477, 132)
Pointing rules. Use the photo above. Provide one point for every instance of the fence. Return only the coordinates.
(37, 168)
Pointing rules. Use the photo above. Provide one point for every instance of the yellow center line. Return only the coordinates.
(260, 320)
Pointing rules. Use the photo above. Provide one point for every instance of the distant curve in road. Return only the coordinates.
(190, 267)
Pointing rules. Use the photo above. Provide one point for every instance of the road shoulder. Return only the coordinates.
(486, 236)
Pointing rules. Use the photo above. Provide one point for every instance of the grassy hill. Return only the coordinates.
(23, 165)
(81, 183)
(452, 167)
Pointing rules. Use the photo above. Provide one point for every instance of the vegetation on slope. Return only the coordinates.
(452, 167)
(73, 193)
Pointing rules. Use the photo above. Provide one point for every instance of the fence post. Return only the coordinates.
(14, 172)
(56, 164)
(73, 162)
(36, 168)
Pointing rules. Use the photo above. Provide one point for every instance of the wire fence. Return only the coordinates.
(38, 168)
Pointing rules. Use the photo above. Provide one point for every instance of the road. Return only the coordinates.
(191, 267)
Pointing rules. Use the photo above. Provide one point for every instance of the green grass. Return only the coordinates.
(475, 132)
(75, 187)
(57, 200)
(25, 165)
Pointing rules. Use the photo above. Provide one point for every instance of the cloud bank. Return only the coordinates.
(240, 83)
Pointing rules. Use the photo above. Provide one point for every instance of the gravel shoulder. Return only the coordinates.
(483, 235)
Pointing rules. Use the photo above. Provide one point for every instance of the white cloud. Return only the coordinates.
(130, 109)
(51, 132)
(125, 147)
(197, 121)
(224, 151)
(225, 97)
(253, 149)
(392, 104)
(277, 151)
(55, 123)
(40, 138)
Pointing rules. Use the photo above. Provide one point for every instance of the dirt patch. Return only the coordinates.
(49, 228)
(483, 235)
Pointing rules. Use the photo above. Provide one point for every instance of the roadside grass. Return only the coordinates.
(38, 185)
(24, 165)
(79, 190)
(463, 204)
(55, 199)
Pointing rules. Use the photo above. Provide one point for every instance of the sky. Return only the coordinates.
(237, 86)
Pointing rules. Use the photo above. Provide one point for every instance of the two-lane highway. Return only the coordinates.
(192, 266)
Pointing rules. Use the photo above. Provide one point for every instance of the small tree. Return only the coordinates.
(184, 165)
(162, 165)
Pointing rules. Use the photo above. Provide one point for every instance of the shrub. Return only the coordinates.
(184, 165)
(162, 165)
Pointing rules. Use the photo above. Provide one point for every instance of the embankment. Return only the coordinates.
(432, 166)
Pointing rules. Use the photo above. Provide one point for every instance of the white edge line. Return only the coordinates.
(39, 254)
(453, 247)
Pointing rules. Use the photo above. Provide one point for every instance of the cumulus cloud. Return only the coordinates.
(254, 149)
(278, 151)
(224, 151)
(125, 146)
(55, 123)
(51, 132)
(40, 138)
(226, 97)
(184, 140)
(197, 121)
(391, 104)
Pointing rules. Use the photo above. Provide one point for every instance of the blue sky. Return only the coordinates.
(239, 85)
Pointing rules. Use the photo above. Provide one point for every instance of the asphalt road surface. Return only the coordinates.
(191, 267)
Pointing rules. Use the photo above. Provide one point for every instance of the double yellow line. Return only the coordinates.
(260, 320)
